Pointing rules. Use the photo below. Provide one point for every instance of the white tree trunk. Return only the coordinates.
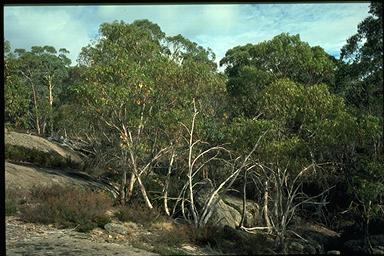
(166, 185)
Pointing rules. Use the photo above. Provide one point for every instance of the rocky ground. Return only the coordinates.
(35, 142)
(31, 239)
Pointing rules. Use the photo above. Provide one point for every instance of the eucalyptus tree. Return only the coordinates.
(360, 82)
(137, 92)
(120, 89)
(360, 73)
(17, 97)
(43, 69)
(252, 67)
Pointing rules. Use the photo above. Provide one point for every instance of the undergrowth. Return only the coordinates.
(67, 207)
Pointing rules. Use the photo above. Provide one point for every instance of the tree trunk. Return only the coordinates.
(190, 168)
(50, 101)
(44, 126)
(123, 188)
(244, 200)
(166, 185)
(367, 241)
(132, 182)
(195, 218)
(37, 123)
(265, 208)
(144, 193)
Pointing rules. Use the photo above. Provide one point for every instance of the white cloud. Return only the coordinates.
(28, 26)
(219, 26)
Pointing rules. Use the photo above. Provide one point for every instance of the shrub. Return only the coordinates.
(140, 213)
(204, 235)
(14, 198)
(174, 237)
(67, 207)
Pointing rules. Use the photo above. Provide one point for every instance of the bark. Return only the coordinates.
(44, 126)
(244, 200)
(37, 123)
(131, 186)
(123, 189)
(190, 169)
(50, 101)
(166, 185)
(265, 208)
(137, 175)
(144, 193)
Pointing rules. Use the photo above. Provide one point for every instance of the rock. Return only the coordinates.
(296, 247)
(131, 226)
(189, 248)
(252, 216)
(116, 228)
(311, 249)
(378, 250)
(43, 147)
(222, 214)
(97, 232)
(333, 252)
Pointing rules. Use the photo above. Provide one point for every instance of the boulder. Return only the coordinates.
(252, 216)
(296, 247)
(41, 147)
(222, 214)
(300, 246)
(228, 209)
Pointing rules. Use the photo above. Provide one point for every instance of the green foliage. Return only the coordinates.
(304, 124)
(67, 208)
(251, 68)
(28, 76)
(16, 94)
(360, 73)
(133, 76)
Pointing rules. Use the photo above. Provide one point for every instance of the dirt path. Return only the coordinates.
(30, 239)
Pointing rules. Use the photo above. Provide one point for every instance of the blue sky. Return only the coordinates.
(218, 26)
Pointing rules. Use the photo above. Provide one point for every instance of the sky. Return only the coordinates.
(217, 26)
